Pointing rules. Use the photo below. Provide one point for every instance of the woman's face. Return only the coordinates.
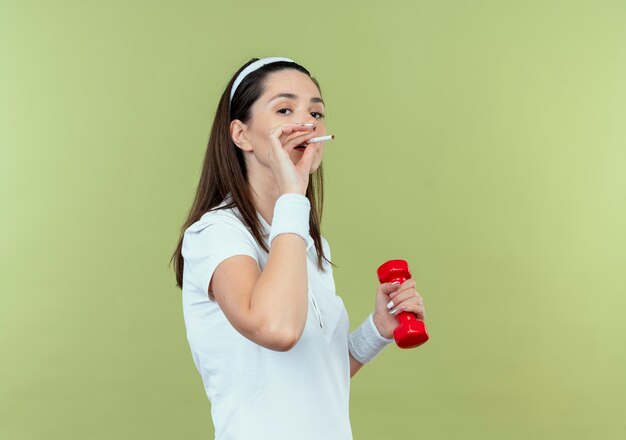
(290, 96)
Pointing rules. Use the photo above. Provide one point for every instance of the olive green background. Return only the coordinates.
(482, 141)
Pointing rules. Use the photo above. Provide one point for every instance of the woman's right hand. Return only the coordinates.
(291, 178)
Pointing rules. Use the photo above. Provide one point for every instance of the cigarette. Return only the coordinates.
(321, 138)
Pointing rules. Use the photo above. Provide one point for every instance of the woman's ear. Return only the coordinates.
(238, 135)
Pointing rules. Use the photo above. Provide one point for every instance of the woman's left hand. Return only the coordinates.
(400, 298)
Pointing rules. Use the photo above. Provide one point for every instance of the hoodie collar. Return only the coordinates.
(266, 227)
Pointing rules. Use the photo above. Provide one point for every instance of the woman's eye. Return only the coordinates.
(283, 111)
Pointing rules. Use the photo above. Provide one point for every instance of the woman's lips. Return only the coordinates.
(302, 146)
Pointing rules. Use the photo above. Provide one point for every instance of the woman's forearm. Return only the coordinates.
(280, 297)
(355, 366)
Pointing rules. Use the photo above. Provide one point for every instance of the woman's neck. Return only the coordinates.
(264, 192)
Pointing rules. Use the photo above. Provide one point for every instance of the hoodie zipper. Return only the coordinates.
(316, 309)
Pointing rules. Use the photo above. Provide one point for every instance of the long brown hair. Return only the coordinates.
(224, 168)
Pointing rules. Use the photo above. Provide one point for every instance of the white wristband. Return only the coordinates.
(365, 342)
(291, 216)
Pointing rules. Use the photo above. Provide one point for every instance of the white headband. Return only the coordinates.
(251, 68)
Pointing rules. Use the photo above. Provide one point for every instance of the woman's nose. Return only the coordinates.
(312, 121)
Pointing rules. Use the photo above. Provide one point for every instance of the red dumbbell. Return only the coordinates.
(411, 332)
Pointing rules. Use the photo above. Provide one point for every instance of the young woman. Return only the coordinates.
(267, 331)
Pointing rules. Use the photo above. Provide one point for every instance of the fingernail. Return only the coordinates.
(307, 125)
(390, 304)
(396, 282)
(394, 311)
